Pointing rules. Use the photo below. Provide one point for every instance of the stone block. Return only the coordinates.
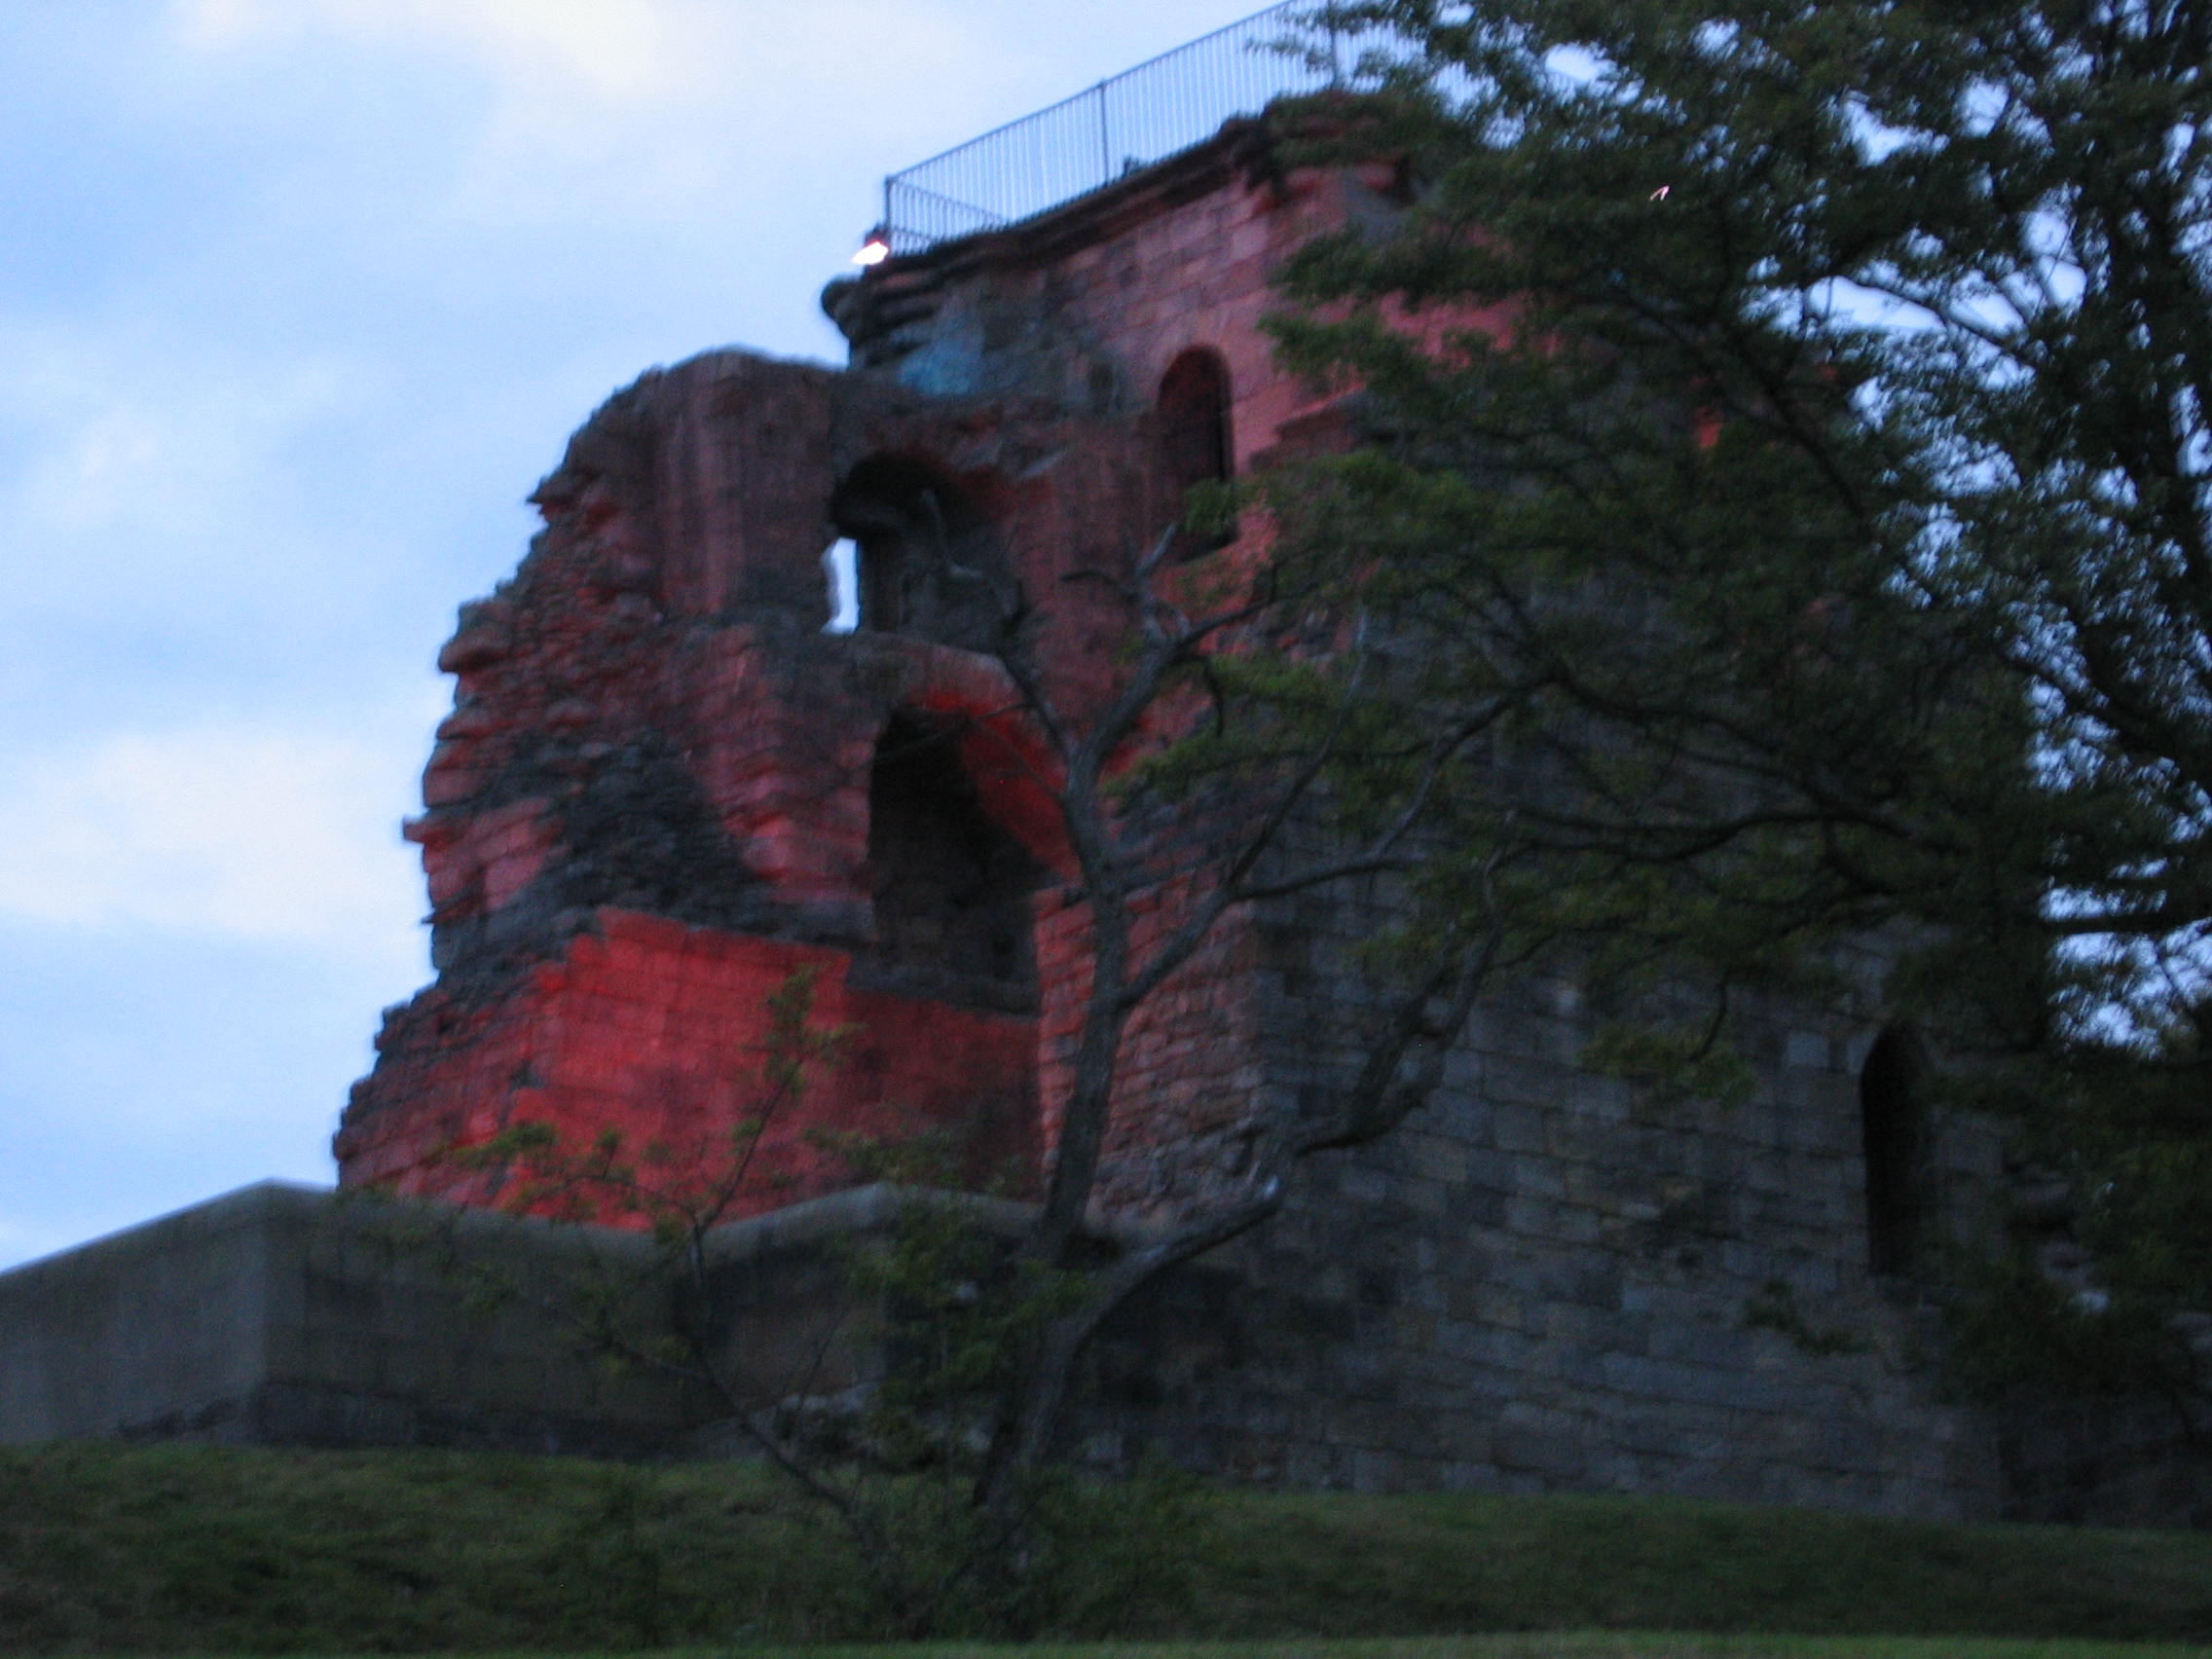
(1809, 1051)
(1553, 1450)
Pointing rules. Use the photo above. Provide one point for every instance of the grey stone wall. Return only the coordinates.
(1482, 1303)
(279, 1314)
(158, 1329)
(283, 1314)
(1550, 1279)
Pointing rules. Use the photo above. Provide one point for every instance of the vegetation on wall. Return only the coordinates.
(1795, 582)
(1818, 519)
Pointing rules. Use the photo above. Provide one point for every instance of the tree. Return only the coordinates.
(1799, 462)
(1775, 563)
(1172, 797)
(882, 1451)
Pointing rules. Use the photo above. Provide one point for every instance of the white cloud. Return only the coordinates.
(627, 51)
(257, 835)
(641, 53)
(614, 49)
(129, 436)
(103, 463)
(684, 119)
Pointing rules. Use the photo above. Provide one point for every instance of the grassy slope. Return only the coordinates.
(1573, 1644)
(1451, 1563)
(1569, 1644)
(175, 1549)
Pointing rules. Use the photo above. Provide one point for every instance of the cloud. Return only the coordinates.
(255, 835)
(600, 117)
(646, 55)
(615, 50)
(119, 434)
(585, 73)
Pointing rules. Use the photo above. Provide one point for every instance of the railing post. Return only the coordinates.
(1105, 148)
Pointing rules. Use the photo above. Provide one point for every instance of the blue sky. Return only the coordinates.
(298, 300)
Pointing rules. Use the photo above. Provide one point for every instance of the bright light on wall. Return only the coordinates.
(841, 564)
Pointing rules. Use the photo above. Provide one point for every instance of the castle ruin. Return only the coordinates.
(665, 785)
(669, 782)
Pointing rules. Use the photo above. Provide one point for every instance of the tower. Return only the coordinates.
(669, 784)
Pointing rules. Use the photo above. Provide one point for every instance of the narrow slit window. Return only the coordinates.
(1894, 1126)
(840, 570)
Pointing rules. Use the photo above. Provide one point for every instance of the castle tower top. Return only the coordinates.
(1127, 121)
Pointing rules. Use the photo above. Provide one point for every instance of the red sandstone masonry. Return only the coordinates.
(658, 1031)
(614, 642)
(1541, 1283)
(668, 621)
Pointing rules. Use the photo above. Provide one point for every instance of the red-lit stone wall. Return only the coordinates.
(1089, 308)
(652, 802)
(656, 1029)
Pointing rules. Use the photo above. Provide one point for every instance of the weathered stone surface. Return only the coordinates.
(664, 789)
(274, 1314)
(292, 1315)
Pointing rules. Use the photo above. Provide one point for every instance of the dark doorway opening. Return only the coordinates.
(951, 888)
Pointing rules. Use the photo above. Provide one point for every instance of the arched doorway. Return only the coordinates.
(950, 886)
(1196, 445)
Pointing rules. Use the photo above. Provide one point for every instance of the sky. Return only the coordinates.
(298, 300)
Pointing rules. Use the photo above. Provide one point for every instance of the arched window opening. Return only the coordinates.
(950, 887)
(928, 562)
(1893, 1118)
(1196, 442)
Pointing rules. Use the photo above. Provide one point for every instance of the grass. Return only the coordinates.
(1570, 1644)
(1440, 1562)
(107, 1549)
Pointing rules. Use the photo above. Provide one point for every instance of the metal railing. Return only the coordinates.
(1126, 121)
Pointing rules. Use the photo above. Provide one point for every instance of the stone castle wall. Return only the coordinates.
(1547, 1280)
(664, 789)
(665, 786)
